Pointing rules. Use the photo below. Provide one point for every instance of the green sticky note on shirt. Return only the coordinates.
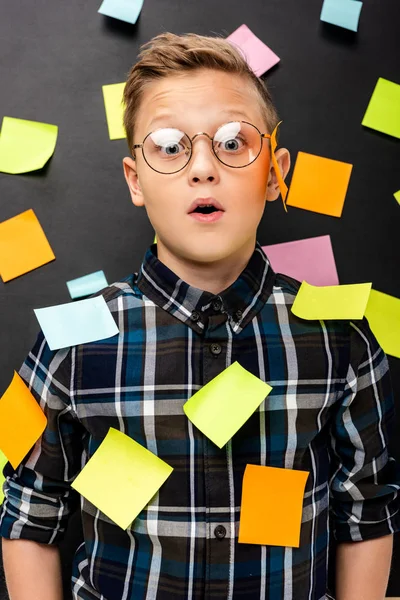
(383, 314)
(331, 301)
(25, 145)
(121, 477)
(113, 103)
(222, 406)
(383, 111)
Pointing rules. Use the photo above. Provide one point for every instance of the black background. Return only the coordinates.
(54, 58)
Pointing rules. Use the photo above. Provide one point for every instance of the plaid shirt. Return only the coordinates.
(330, 412)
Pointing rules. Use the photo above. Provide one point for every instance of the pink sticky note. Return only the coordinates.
(309, 260)
(259, 57)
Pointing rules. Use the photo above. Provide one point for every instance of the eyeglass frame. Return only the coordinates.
(262, 136)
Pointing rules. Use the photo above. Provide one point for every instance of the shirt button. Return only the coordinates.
(238, 315)
(220, 532)
(215, 349)
(195, 316)
(217, 305)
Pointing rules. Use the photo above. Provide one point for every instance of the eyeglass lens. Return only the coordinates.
(236, 144)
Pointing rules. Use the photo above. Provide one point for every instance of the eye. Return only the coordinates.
(171, 149)
(233, 144)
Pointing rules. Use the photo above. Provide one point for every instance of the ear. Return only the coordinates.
(283, 159)
(132, 179)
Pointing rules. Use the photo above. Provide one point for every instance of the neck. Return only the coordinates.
(211, 277)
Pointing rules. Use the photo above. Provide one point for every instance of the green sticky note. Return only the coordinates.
(331, 301)
(121, 477)
(383, 111)
(25, 145)
(383, 314)
(224, 404)
(397, 196)
(3, 462)
(113, 103)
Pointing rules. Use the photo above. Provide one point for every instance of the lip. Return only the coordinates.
(215, 216)
(200, 201)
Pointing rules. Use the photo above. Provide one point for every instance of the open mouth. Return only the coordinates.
(206, 210)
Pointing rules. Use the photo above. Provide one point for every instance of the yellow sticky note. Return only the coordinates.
(272, 506)
(25, 145)
(397, 196)
(121, 477)
(22, 421)
(331, 301)
(383, 314)
(319, 184)
(224, 404)
(3, 462)
(383, 111)
(23, 245)
(113, 102)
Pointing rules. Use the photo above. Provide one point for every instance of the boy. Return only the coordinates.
(205, 297)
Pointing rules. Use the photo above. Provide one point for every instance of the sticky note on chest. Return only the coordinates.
(224, 404)
(272, 506)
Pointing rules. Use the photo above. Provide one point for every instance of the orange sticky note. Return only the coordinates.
(319, 184)
(272, 506)
(23, 245)
(22, 421)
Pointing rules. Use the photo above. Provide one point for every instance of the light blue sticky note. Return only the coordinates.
(344, 13)
(75, 323)
(124, 10)
(86, 285)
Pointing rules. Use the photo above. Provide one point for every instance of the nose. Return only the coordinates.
(203, 164)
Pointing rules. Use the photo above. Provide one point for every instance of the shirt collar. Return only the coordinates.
(240, 302)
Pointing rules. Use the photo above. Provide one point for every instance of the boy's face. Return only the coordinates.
(196, 102)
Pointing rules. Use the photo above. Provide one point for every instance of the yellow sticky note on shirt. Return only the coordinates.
(121, 477)
(22, 421)
(383, 314)
(383, 111)
(331, 301)
(3, 462)
(23, 245)
(272, 506)
(113, 103)
(25, 145)
(224, 404)
(319, 184)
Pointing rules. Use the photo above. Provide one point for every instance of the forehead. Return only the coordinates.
(198, 99)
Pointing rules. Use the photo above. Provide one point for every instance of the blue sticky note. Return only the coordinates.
(86, 285)
(344, 13)
(75, 323)
(124, 10)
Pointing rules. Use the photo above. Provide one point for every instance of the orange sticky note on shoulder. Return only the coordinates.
(22, 421)
(319, 184)
(272, 506)
(23, 245)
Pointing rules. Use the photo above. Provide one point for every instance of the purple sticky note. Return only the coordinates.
(309, 260)
(259, 57)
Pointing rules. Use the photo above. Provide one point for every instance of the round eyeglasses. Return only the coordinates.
(235, 144)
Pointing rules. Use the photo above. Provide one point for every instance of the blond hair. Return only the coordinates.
(171, 54)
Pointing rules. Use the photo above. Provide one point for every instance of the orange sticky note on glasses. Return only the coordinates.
(23, 246)
(22, 421)
(319, 184)
(272, 506)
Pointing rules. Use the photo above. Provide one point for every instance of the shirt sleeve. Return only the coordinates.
(364, 481)
(38, 497)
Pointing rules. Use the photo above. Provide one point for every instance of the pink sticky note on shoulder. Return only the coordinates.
(259, 57)
(309, 260)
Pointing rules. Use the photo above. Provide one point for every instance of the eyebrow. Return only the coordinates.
(163, 116)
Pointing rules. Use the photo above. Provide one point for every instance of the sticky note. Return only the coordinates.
(310, 259)
(121, 477)
(113, 103)
(383, 111)
(259, 57)
(272, 506)
(22, 421)
(124, 10)
(23, 245)
(3, 462)
(383, 314)
(319, 184)
(86, 285)
(76, 323)
(331, 302)
(224, 404)
(397, 196)
(25, 145)
(344, 13)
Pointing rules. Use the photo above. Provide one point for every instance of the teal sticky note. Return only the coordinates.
(76, 323)
(344, 13)
(86, 285)
(124, 10)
